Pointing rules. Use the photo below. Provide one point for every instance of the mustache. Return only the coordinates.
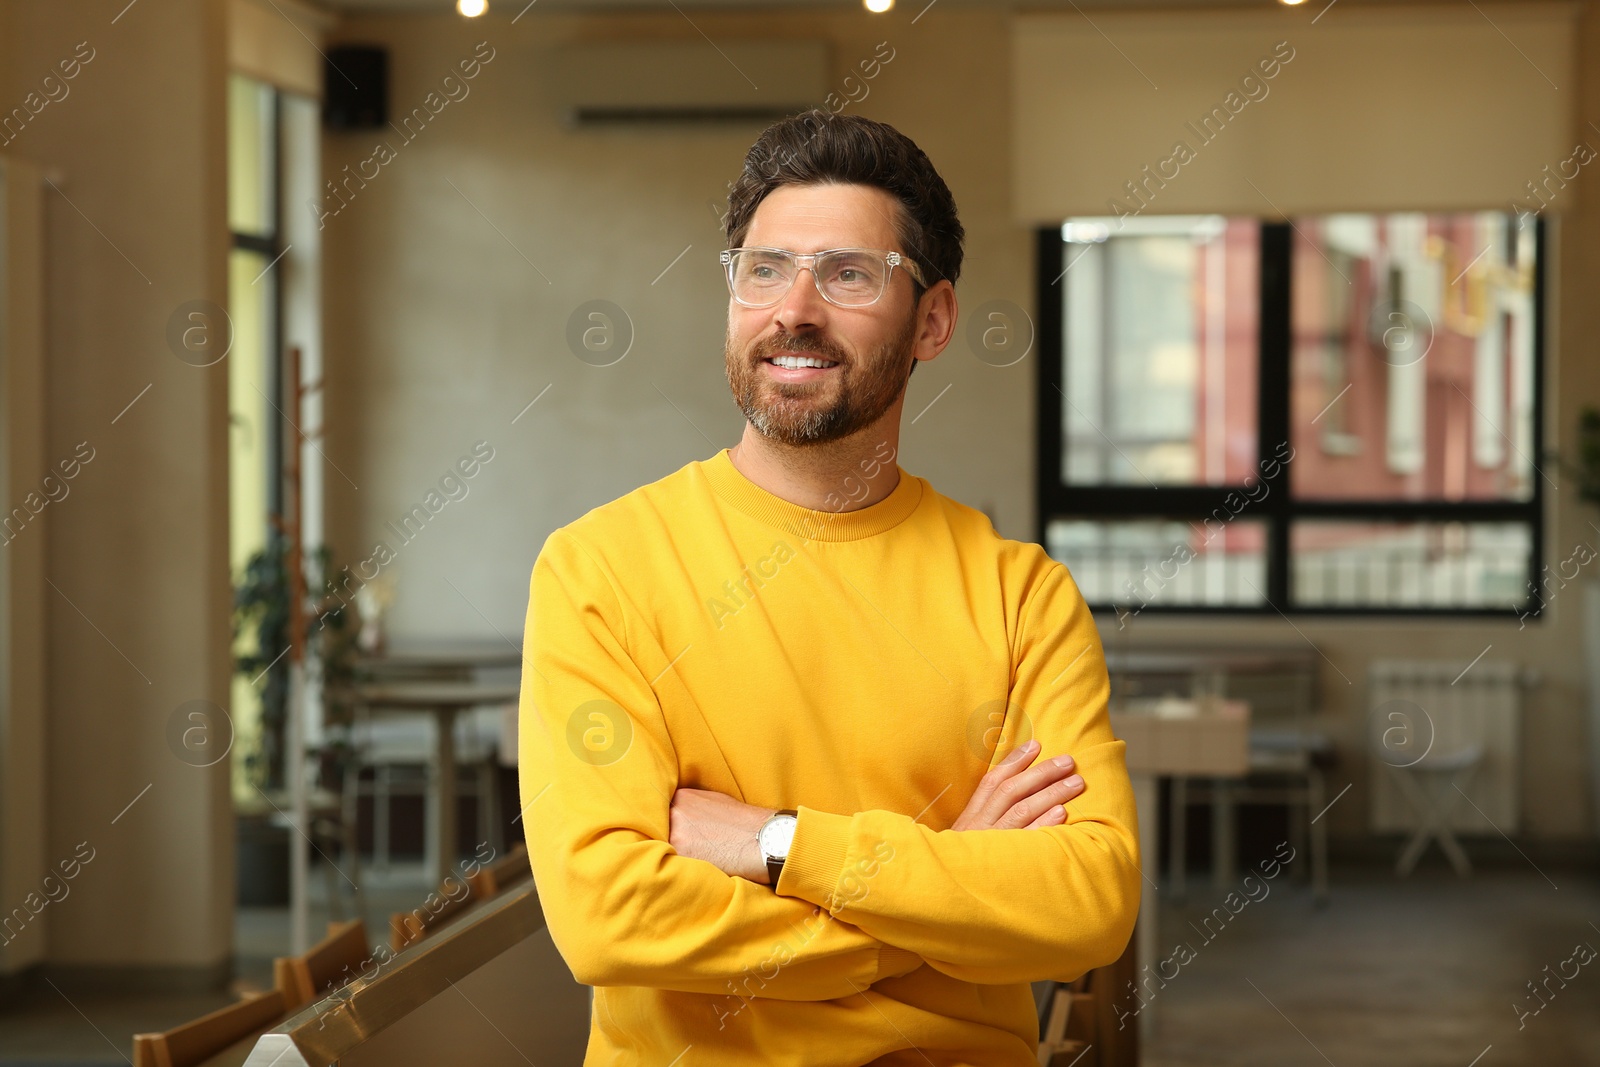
(790, 343)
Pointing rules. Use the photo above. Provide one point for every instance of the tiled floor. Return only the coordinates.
(1429, 971)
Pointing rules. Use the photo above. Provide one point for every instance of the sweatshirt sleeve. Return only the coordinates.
(1001, 906)
(598, 771)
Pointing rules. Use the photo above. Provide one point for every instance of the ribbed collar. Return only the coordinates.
(731, 485)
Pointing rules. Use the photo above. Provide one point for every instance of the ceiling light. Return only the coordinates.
(472, 8)
(878, 7)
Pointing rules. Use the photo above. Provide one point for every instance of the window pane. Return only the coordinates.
(1162, 562)
(1392, 565)
(252, 157)
(1160, 346)
(251, 301)
(1412, 374)
(250, 304)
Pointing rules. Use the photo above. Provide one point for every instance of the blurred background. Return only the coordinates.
(317, 318)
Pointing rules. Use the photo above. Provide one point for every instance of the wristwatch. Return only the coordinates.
(773, 839)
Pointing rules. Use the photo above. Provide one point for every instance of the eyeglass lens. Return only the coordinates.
(846, 277)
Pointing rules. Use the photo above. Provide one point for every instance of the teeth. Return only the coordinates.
(793, 362)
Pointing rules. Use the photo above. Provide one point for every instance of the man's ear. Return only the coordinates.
(942, 293)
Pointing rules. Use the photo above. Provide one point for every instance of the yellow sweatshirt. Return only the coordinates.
(864, 667)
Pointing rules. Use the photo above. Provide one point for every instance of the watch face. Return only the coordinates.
(776, 835)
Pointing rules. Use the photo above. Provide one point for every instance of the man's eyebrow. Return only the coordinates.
(751, 243)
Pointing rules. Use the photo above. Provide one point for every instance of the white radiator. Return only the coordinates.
(1424, 713)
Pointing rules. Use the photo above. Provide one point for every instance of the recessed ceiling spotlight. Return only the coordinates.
(1291, 3)
(878, 7)
(472, 8)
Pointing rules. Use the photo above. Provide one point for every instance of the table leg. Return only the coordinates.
(445, 832)
(1178, 863)
(1146, 800)
(1223, 827)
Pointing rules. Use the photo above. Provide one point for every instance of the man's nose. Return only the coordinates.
(803, 304)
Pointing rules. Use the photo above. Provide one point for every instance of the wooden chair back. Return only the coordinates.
(195, 1042)
(503, 873)
(328, 964)
(409, 927)
(284, 981)
(1082, 1027)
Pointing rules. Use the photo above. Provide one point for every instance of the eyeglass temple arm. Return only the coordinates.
(896, 259)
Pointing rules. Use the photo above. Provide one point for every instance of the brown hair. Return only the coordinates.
(818, 147)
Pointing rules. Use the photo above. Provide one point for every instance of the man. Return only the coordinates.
(782, 709)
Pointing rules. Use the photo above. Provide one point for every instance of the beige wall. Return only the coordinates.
(22, 588)
(275, 41)
(1371, 109)
(138, 620)
(440, 331)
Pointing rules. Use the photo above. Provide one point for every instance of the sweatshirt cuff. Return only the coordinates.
(816, 857)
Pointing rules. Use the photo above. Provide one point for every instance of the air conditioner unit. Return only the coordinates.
(687, 81)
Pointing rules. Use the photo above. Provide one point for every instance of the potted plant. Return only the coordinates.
(261, 607)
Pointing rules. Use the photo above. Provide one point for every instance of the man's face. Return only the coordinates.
(870, 347)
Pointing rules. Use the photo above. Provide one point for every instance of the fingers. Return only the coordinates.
(1055, 816)
(1025, 794)
(980, 811)
(1044, 804)
(1016, 795)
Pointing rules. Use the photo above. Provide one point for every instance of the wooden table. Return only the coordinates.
(1212, 739)
(439, 660)
(444, 700)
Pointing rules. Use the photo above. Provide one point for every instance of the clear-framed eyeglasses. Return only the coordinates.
(847, 277)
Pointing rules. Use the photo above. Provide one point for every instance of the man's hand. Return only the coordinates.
(1011, 798)
(711, 826)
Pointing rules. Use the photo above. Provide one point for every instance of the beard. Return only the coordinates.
(852, 396)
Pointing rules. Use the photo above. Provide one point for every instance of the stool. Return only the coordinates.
(1434, 786)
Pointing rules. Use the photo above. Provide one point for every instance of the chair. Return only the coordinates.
(503, 873)
(328, 964)
(401, 752)
(1078, 1020)
(1053, 1039)
(332, 831)
(195, 1042)
(1437, 728)
(1288, 757)
(409, 927)
(1433, 787)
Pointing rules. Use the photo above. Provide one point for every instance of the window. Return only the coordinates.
(254, 310)
(253, 208)
(1335, 414)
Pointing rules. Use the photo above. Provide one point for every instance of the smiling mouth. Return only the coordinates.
(796, 362)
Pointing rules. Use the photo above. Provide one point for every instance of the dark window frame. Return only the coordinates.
(1057, 500)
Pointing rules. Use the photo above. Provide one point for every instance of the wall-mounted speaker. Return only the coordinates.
(355, 88)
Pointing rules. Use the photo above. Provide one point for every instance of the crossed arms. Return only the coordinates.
(1019, 889)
